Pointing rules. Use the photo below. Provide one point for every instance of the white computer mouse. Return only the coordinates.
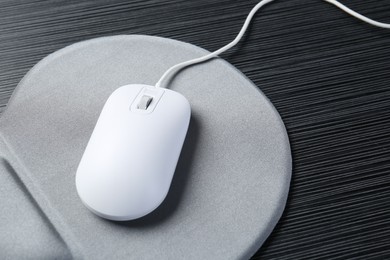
(127, 167)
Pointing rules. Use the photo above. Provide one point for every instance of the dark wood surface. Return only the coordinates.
(327, 74)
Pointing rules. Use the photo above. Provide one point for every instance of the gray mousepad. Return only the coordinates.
(230, 186)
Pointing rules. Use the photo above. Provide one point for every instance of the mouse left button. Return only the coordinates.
(144, 102)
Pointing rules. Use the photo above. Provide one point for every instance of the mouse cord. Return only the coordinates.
(184, 64)
(357, 15)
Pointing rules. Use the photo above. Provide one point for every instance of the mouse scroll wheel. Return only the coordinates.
(144, 102)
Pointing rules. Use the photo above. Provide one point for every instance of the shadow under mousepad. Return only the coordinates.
(230, 186)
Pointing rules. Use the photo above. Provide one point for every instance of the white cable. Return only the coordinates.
(184, 64)
(358, 16)
(219, 51)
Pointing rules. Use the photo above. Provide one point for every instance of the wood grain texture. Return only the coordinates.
(327, 74)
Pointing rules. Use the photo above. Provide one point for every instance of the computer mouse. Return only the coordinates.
(127, 167)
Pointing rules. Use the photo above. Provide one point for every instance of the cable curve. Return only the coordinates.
(184, 64)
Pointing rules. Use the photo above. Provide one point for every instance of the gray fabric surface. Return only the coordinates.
(231, 183)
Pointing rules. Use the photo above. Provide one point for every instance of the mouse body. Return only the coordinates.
(127, 167)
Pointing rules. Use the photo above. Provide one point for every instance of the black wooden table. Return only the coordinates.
(327, 73)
